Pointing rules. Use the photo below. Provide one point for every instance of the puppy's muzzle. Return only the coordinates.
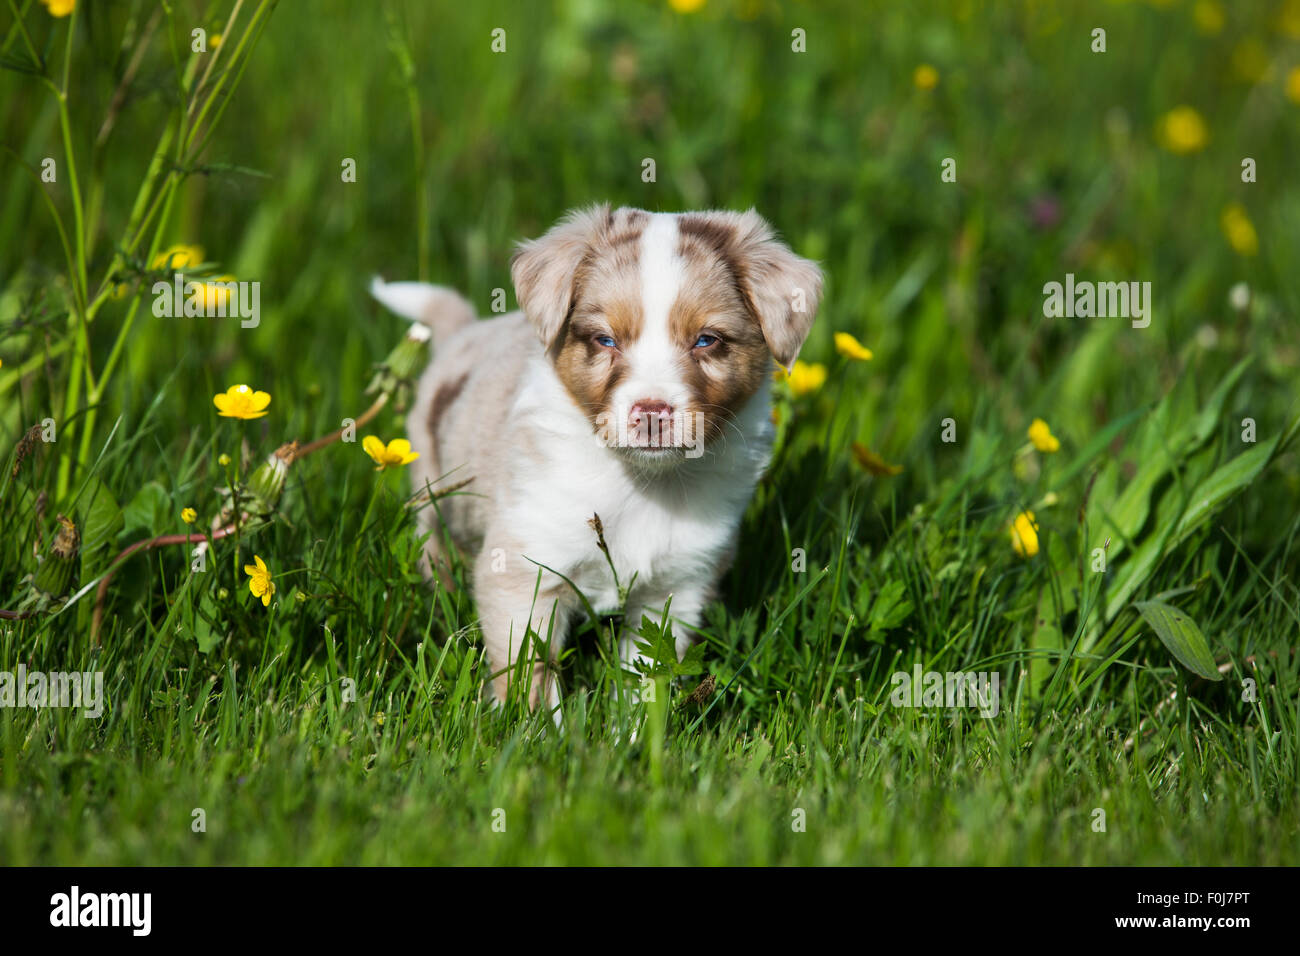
(650, 424)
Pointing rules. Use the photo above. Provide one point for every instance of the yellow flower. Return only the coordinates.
(1041, 435)
(1293, 85)
(223, 460)
(240, 401)
(178, 258)
(686, 6)
(1208, 16)
(189, 515)
(397, 452)
(1024, 535)
(1182, 131)
(259, 580)
(925, 77)
(1239, 230)
(850, 347)
(1250, 60)
(804, 378)
(1288, 19)
(215, 41)
(215, 294)
(60, 8)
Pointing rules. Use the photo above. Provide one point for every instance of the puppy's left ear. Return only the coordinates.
(545, 270)
(784, 289)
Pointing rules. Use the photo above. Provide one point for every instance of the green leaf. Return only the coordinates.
(1134, 570)
(1129, 513)
(149, 510)
(656, 646)
(461, 691)
(1045, 636)
(692, 663)
(1225, 482)
(206, 624)
(101, 520)
(1181, 636)
(891, 607)
(1203, 426)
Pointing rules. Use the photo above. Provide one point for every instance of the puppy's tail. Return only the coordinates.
(443, 310)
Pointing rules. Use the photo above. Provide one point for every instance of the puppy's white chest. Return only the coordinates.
(662, 538)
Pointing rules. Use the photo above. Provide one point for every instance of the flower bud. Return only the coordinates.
(54, 576)
(404, 363)
(267, 483)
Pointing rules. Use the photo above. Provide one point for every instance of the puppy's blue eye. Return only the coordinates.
(606, 341)
(705, 340)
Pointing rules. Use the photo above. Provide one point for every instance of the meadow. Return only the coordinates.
(1102, 514)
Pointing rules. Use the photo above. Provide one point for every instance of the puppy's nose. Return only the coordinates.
(651, 422)
(650, 407)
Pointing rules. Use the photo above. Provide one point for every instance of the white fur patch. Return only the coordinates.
(654, 370)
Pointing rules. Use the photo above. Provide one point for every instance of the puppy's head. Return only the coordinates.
(662, 326)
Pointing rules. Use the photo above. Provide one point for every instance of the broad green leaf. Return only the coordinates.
(1127, 517)
(1225, 482)
(101, 520)
(1096, 446)
(1130, 512)
(891, 607)
(1181, 636)
(1133, 570)
(149, 510)
(1203, 426)
(1046, 636)
(692, 662)
(206, 628)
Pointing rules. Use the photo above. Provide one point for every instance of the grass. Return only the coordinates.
(345, 723)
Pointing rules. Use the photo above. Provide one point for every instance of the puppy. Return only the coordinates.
(633, 385)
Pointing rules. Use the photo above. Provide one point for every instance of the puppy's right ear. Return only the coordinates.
(544, 270)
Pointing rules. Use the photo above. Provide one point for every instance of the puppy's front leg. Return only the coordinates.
(508, 610)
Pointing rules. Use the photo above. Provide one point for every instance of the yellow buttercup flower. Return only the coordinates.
(396, 453)
(1239, 230)
(1024, 535)
(1250, 60)
(189, 515)
(60, 8)
(215, 293)
(259, 580)
(925, 77)
(1208, 16)
(1182, 131)
(1041, 435)
(850, 347)
(1293, 85)
(240, 401)
(686, 6)
(179, 257)
(1288, 19)
(804, 379)
(223, 460)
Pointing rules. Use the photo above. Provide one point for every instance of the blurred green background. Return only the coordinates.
(1058, 160)
(1123, 165)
